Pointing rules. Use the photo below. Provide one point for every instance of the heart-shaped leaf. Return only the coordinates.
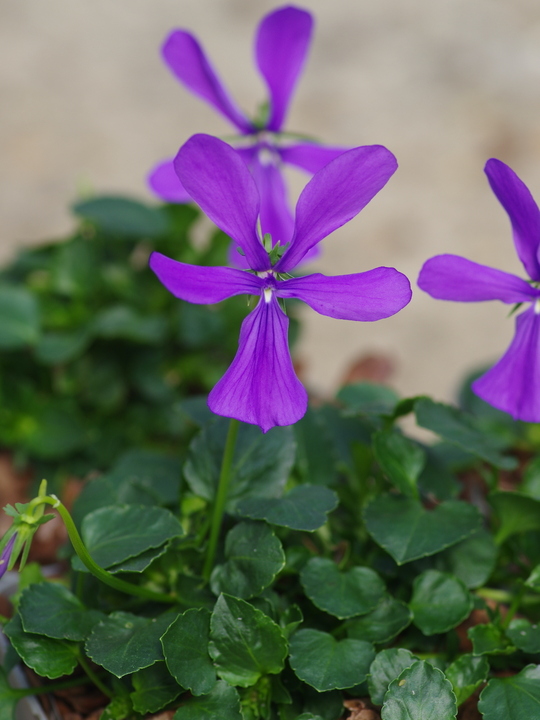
(472, 560)
(261, 463)
(512, 698)
(115, 533)
(439, 602)
(245, 644)
(185, 646)
(524, 635)
(421, 691)
(407, 531)
(51, 609)
(382, 624)
(19, 318)
(458, 428)
(254, 557)
(223, 703)
(466, 674)
(124, 643)
(489, 639)
(123, 216)
(46, 656)
(154, 688)
(326, 664)
(305, 507)
(342, 594)
(387, 666)
(368, 399)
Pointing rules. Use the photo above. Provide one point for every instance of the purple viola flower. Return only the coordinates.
(5, 557)
(260, 386)
(281, 46)
(513, 384)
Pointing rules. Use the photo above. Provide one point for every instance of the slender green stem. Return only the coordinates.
(221, 497)
(92, 676)
(105, 577)
(514, 606)
(49, 687)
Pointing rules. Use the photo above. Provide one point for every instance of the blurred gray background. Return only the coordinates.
(87, 105)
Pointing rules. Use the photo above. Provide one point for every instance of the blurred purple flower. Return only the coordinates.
(281, 46)
(6, 554)
(513, 384)
(260, 386)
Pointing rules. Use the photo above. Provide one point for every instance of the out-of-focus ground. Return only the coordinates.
(87, 105)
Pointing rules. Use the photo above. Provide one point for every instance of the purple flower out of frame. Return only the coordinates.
(260, 387)
(281, 45)
(513, 383)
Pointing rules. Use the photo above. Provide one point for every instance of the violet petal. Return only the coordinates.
(451, 277)
(219, 181)
(281, 46)
(310, 156)
(335, 195)
(367, 296)
(522, 210)
(513, 384)
(260, 387)
(186, 59)
(164, 182)
(200, 284)
(276, 218)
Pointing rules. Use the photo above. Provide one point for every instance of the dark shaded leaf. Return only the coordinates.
(185, 647)
(305, 507)
(387, 666)
(382, 624)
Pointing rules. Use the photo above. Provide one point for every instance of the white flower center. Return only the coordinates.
(537, 306)
(267, 294)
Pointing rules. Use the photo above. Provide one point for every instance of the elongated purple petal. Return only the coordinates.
(203, 285)
(276, 218)
(164, 181)
(188, 62)
(281, 47)
(310, 156)
(335, 195)
(522, 210)
(219, 181)
(6, 554)
(367, 296)
(513, 384)
(451, 277)
(261, 387)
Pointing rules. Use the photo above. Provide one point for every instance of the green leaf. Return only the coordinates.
(50, 609)
(489, 640)
(472, 560)
(124, 323)
(387, 666)
(421, 691)
(524, 635)
(368, 398)
(517, 513)
(253, 558)
(401, 460)
(152, 472)
(124, 643)
(76, 270)
(123, 216)
(407, 531)
(512, 698)
(154, 688)
(245, 644)
(458, 428)
(223, 703)
(120, 708)
(9, 697)
(114, 534)
(19, 318)
(305, 507)
(382, 624)
(316, 460)
(321, 661)
(342, 594)
(54, 431)
(261, 462)
(466, 674)
(533, 581)
(185, 647)
(439, 602)
(56, 348)
(139, 563)
(46, 656)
